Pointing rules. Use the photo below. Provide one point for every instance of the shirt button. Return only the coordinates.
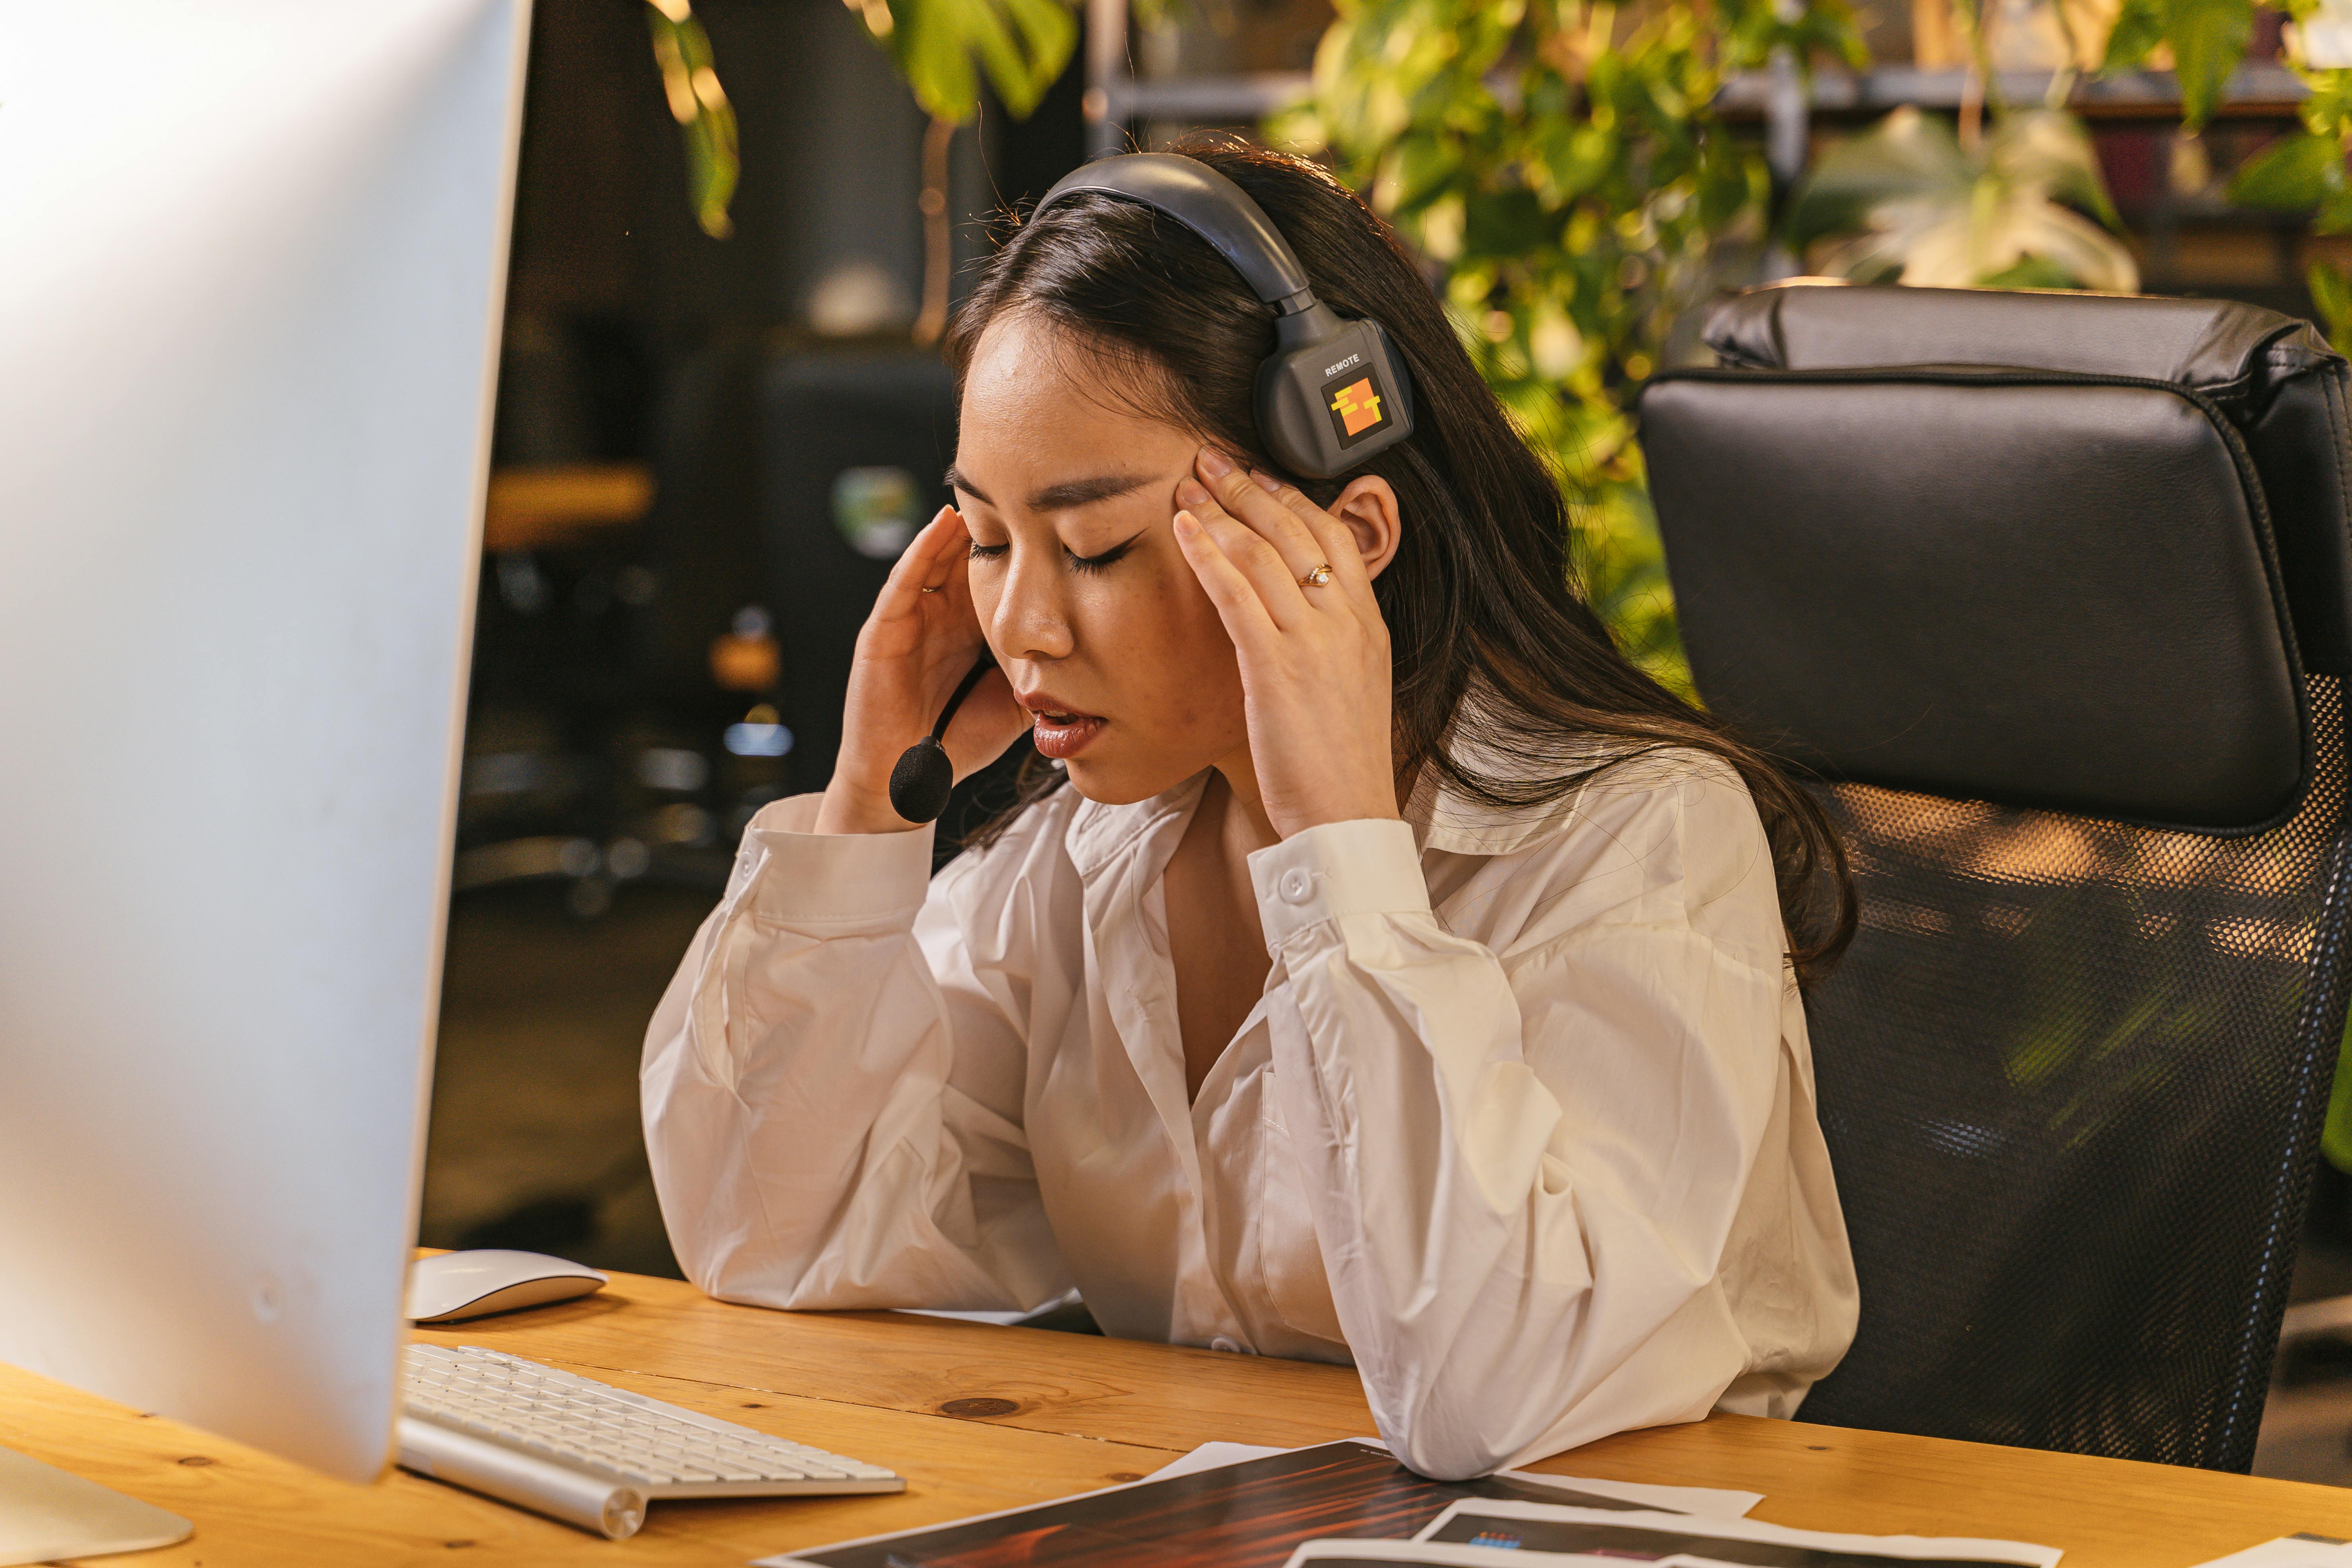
(1296, 887)
(1229, 1346)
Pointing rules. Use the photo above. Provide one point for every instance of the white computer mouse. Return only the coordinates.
(459, 1285)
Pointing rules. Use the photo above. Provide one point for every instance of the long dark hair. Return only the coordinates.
(1481, 593)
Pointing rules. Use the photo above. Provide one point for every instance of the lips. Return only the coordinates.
(1060, 730)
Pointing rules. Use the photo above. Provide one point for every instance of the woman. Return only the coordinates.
(1383, 969)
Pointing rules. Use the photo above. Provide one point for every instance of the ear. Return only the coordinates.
(1368, 507)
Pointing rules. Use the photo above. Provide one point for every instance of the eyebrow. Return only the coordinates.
(1061, 497)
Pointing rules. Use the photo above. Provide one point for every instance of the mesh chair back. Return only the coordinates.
(2070, 1073)
(2072, 1070)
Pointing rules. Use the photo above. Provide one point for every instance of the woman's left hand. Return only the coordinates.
(1314, 656)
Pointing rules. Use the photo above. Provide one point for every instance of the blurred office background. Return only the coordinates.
(709, 450)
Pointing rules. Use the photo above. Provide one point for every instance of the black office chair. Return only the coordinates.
(857, 443)
(857, 446)
(2050, 591)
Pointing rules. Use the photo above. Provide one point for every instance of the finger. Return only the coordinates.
(1269, 575)
(943, 540)
(1336, 540)
(1237, 598)
(920, 565)
(952, 591)
(1243, 498)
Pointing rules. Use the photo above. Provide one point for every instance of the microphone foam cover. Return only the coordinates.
(921, 781)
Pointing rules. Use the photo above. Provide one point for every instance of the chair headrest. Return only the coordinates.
(2273, 375)
(2238, 355)
(2003, 546)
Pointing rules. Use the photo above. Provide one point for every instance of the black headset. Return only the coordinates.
(1334, 393)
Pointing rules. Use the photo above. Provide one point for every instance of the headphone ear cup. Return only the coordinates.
(1330, 404)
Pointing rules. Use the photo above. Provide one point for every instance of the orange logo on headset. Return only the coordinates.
(1358, 406)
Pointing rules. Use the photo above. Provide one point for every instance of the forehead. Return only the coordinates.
(1033, 401)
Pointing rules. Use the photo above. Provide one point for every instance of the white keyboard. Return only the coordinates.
(590, 1454)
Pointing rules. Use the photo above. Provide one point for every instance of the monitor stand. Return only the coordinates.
(47, 1513)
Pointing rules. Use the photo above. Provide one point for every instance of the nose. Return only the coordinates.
(1030, 619)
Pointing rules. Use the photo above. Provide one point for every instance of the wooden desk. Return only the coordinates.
(981, 1419)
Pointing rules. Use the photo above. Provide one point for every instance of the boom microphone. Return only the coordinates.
(923, 776)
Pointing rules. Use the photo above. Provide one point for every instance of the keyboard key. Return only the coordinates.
(610, 1433)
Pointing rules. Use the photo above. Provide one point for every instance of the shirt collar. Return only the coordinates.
(1099, 833)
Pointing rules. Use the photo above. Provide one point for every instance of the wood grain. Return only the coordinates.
(2105, 1513)
(250, 1508)
(1118, 1390)
(1085, 1413)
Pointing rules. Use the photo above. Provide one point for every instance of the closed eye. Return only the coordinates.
(1076, 562)
(1097, 563)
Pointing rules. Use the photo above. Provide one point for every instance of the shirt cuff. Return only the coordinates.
(795, 876)
(1368, 866)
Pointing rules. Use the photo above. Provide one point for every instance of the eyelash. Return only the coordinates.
(1085, 563)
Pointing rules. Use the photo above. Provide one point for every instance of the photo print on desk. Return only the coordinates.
(1249, 1515)
(1541, 1529)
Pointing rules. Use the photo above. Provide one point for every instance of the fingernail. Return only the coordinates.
(1215, 464)
(1267, 482)
(1186, 524)
(1192, 493)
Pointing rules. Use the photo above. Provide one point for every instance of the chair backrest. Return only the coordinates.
(857, 444)
(704, 540)
(2050, 593)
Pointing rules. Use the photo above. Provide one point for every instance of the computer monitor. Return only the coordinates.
(252, 265)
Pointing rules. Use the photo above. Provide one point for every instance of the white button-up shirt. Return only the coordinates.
(1523, 1123)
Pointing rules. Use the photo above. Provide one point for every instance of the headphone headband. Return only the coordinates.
(1334, 393)
(1212, 206)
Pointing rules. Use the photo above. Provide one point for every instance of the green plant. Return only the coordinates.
(699, 104)
(2207, 39)
(2305, 172)
(1918, 203)
(942, 48)
(1562, 162)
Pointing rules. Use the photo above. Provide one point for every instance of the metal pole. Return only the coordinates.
(1786, 132)
(1105, 101)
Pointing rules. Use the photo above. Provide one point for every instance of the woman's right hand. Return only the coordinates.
(912, 651)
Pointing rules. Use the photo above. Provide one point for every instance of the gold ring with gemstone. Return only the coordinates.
(1316, 578)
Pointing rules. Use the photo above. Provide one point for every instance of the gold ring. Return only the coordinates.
(934, 589)
(1316, 578)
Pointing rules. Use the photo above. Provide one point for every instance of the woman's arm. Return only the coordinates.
(1524, 1167)
(833, 1084)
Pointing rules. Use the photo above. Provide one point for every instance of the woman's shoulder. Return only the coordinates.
(1656, 836)
(1627, 791)
(1660, 778)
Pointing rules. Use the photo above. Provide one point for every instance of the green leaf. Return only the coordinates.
(2139, 28)
(2209, 40)
(1504, 223)
(705, 118)
(2031, 272)
(1021, 45)
(2295, 173)
(2331, 292)
(1416, 173)
(1906, 157)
